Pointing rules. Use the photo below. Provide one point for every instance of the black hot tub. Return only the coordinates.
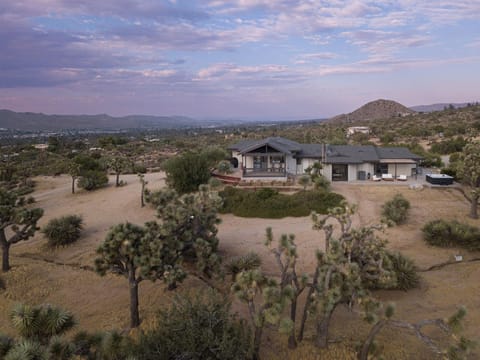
(439, 179)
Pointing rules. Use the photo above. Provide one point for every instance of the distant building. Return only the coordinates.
(358, 129)
(41, 146)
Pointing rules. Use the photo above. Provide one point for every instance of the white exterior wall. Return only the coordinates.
(327, 171)
(290, 164)
(368, 168)
(248, 162)
(238, 156)
(352, 172)
(306, 162)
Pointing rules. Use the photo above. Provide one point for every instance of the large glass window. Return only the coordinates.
(259, 162)
(381, 168)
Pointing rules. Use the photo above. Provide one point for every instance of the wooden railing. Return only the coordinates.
(264, 172)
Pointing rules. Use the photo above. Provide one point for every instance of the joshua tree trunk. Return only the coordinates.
(117, 181)
(73, 185)
(292, 341)
(142, 197)
(473, 205)
(321, 338)
(257, 342)
(363, 354)
(311, 290)
(5, 251)
(5, 257)
(134, 316)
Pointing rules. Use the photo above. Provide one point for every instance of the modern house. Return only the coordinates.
(277, 157)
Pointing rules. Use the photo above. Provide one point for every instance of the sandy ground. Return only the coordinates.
(102, 303)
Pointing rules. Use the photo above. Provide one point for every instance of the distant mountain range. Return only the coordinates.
(438, 107)
(374, 110)
(28, 121)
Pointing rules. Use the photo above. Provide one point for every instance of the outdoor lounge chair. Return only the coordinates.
(402, 177)
(387, 177)
(376, 178)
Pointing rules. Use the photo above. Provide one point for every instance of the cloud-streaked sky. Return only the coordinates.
(250, 59)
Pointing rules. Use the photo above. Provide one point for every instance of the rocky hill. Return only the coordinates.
(374, 110)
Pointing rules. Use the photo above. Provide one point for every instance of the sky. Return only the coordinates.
(235, 59)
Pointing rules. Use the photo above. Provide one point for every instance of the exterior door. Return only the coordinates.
(339, 172)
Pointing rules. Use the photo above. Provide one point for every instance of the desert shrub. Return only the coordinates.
(429, 159)
(268, 203)
(396, 210)
(25, 189)
(214, 154)
(63, 231)
(214, 183)
(249, 261)
(450, 171)
(405, 270)
(91, 170)
(92, 179)
(304, 181)
(449, 146)
(266, 193)
(455, 157)
(187, 172)
(105, 345)
(224, 167)
(448, 234)
(321, 182)
(387, 138)
(197, 327)
(139, 169)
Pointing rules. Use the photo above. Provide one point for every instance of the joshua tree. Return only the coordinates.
(265, 300)
(74, 172)
(192, 220)
(144, 182)
(17, 223)
(139, 253)
(155, 251)
(286, 257)
(459, 347)
(353, 261)
(118, 165)
(469, 171)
